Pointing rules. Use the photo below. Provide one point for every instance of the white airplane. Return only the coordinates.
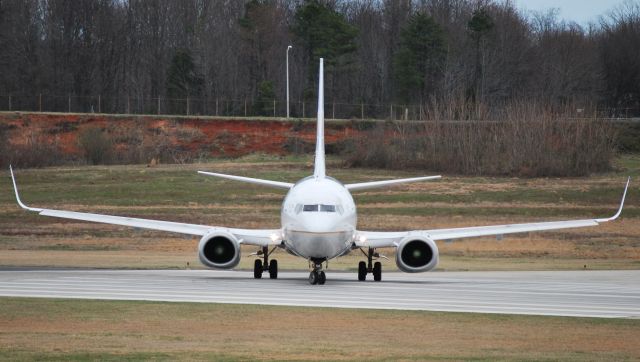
(318, 224)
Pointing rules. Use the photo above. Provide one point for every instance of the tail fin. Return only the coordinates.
(319, 170)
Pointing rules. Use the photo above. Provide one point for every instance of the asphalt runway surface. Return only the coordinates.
(606, 294)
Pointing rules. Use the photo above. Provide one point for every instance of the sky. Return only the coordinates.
(580, 11)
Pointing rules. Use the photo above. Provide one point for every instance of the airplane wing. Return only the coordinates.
(376, 239)
(246, 236)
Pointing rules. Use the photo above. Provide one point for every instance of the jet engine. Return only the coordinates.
(219, 250)
(416, 254)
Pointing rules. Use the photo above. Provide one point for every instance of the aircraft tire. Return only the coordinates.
(273, 269)
(362, 271)
(322, 278)
(257, 269)
(313, 278)
(377, 271)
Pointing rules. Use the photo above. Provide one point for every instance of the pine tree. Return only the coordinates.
(183, 80)
(479, 25)
(266, 95)
(420, 59)
(324, 33)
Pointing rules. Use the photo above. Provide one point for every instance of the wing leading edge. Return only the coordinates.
(260, 237)
(376, 239)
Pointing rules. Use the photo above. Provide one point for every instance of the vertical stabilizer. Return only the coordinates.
(319, 170)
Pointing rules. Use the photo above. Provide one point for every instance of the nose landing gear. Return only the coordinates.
(317, 276)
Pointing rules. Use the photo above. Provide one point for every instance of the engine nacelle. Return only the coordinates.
(416, 254)
(219, 250)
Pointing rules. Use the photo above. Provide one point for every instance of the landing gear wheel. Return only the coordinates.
(257, 269)
(322, 277)
(273, 269)
(362, 271)
(313, 277)
(377, 271)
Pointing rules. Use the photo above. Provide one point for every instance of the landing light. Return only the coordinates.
(275, 237)
(363, 239)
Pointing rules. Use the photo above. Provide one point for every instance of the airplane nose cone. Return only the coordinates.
(319, 223)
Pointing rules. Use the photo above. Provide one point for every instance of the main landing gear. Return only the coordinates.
(369, 267)
(317, 276)
(259, 266)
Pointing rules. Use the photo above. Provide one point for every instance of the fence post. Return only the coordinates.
(187, 105)
(274, 108)
(68, 103)
(40, 102)
(362, 111)
(158, 105)
(9, 102)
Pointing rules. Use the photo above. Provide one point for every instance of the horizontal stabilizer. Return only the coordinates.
(257, 181)
(376, 184)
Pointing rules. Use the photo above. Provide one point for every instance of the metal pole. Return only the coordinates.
(40, 102)
(361, 110)
(302, 109)
(128, 105)
(245, 107)
(216, 106)
(9, 102)
(187, 105)
(333, 111)
(274, 108)
(391, 113)
(69, 103)
(99, 104)
(158, 104)
(289, 47)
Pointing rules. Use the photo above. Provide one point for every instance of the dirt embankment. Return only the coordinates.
(206, 136)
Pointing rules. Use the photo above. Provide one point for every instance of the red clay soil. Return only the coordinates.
(214, 136)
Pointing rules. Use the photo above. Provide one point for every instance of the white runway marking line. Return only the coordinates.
(265, 293)
(603, 294)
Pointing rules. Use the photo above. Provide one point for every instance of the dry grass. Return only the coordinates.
(69, 330)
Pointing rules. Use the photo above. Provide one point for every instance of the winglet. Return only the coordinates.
(15, 188)
(319, 164)
(624, 195)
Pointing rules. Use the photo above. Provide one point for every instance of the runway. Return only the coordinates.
(605, 294)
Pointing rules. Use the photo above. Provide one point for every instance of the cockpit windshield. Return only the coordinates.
(319, 207)
(310, 208)
(327, 208)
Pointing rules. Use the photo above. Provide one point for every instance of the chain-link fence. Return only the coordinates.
(237, 107)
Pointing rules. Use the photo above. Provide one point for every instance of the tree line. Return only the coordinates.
(483, 53)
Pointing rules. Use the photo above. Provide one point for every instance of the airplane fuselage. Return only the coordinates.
(318, 219)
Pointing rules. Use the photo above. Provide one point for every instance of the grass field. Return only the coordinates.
(49, 329)
(177, 193)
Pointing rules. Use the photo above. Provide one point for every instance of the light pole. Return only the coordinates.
(289, 47)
